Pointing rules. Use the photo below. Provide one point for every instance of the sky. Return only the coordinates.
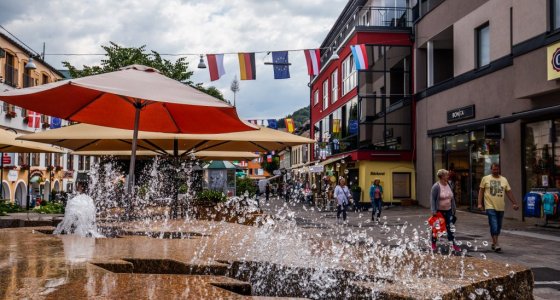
(186, 27)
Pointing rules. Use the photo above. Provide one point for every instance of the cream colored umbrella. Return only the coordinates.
(203, 155)
(85, 137)
(9, 144)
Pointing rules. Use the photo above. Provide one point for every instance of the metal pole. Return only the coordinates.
(28, 182)
(176, 187)
(134, 145)
(2, 176)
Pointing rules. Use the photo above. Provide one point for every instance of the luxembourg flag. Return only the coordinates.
(215, 66)
(360, 56)
(313, 58)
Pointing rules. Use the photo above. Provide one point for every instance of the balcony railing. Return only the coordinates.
(395, 17)
(11, 76)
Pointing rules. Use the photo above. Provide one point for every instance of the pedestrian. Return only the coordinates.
(443, 201)
(376, 197)
(267, 190)
(493, 189)
(343, 196)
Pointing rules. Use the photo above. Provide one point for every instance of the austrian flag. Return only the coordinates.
(313, 58)
(215, 66)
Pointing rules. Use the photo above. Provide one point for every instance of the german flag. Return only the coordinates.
(247, 66)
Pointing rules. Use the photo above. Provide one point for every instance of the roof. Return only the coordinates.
(219, 164)
(35, 56)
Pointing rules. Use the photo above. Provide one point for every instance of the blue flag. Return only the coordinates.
(281, 65)
(272, 123)
(55, 122)
(353, 127)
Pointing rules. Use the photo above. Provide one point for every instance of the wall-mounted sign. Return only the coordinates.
(377, 173)
(553, 61)
(316, 169)
(12, 175)
(460, 114)
(8, 159)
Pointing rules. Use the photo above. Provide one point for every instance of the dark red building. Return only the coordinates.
(363, 120)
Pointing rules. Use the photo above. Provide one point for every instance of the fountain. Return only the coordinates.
(153, 255)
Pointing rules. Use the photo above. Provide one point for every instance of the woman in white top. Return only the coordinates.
(342, 195)
(443, 202)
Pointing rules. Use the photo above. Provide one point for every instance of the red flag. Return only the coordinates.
(269, 158)
(33, 119)
(289, 124)
(313, 58)
(215, 66)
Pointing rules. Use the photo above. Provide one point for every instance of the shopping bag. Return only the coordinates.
(437, 224)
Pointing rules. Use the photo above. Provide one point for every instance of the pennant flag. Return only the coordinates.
(360, 56)
(353, 126)
(252, 121)
(56, 122)
(272, 123)
(336, 125)
(247, 66)
(269, 158)
(215, 66)
(313, 58)
(289, 124)
(281, 64)
(33, 119)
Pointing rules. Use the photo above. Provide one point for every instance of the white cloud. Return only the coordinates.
(187, 26)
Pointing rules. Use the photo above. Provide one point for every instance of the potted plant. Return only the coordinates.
(25, 120)
(10, 114)
(46, 125)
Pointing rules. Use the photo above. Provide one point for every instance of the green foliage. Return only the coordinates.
(300, 116)
(8, 207)
(211, 196)
(245, 184)
(50, 207)
(117, 57)
(212, 91)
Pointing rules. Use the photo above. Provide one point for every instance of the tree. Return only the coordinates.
(117, 57)
(234, 88)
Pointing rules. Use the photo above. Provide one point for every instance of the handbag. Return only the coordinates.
(437, 223)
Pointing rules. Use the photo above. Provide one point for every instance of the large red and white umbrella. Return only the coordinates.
(136, 97)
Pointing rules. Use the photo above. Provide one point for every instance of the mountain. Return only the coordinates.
(300, 116)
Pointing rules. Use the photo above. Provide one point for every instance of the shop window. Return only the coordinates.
(483, 45)
(539, 161)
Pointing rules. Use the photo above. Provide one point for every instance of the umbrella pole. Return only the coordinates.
(176, 158)
(133, 155)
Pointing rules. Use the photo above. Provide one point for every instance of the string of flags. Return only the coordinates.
(280, 63)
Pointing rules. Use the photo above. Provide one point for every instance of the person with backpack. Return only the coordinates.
(493, 189)
(443, 202)
(376, 197)
(342, 196)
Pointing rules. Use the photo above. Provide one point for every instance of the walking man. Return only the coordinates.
(493, 188)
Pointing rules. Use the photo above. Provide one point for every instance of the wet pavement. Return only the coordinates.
(524, 243)
(42, 266)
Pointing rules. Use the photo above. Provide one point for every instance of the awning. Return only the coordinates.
(304, 165)
(528, 114)
(333, 159)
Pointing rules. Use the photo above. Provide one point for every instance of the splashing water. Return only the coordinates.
(79, 218)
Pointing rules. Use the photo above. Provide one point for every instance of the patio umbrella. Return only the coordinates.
(136, 97)
(84, 137)
(202, 155)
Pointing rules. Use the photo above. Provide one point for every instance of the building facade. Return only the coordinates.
(487, 91)
(363, 120)
(38, 173)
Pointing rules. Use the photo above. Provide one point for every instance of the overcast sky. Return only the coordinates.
(187, 26)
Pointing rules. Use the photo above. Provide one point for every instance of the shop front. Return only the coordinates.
(468, 157)
(397, 179)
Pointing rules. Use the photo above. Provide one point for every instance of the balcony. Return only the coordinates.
(392, 17)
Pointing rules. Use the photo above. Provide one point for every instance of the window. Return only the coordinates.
(348, 75)
(23, 159)
(483, 45)
(35, 159)
(69, 162)
(80, 162)
(57, 157)
(554, 14)
(316, 97)
(87, 163)
(334, 84)
(325, 94)
(45, 79)
(23, 112)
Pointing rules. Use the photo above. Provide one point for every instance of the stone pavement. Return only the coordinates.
(522, 242)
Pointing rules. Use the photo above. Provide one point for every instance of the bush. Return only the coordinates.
(245, 184)
(9, 207)
(50, 208)
(211, 196)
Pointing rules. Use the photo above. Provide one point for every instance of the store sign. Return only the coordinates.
(460, 114)
(8, 159)
(493, 131)
(316, 169)
(553, 61)
(12, 175)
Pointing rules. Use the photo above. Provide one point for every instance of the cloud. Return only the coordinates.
(187, 27)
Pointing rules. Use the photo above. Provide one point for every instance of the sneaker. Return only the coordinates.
(434, 247)
(498, 248)
(456, 248)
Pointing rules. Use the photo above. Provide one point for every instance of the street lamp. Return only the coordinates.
(30, 65)
(201, 64)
